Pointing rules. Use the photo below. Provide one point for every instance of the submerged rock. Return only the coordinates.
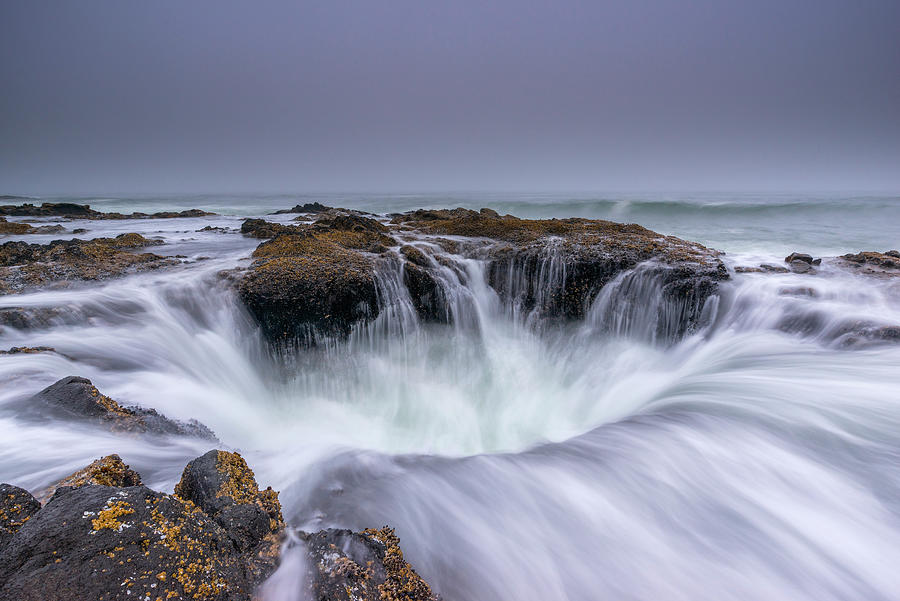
(102, 535)
(26, 228)
(362, 566)
(77, 397)
(28, 350)
(25, 266)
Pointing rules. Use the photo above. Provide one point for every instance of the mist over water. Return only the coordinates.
(755, 458)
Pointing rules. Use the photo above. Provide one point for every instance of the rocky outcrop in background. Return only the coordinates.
(319, 278)
(25, 266)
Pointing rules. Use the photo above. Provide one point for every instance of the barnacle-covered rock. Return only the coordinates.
(106, 471)
(314, 280)
(362, 566)
(25, 266)
(101, 542)
(555, 266)
(16, 507)
(77, 397)
(224, 487)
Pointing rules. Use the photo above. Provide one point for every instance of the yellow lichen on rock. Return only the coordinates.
(109, 516)
(402, 582)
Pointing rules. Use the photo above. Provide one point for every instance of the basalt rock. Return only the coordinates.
(25, 266)
(106, 471)
(20, 227)
(16, 507)
(555, 266)
(224, 487)
(77, 211)
(313, 280)
(364, 566)
(309, 207)
(103, 536)
(102, 542)
(319, 279)
(873, 263)
(76, 397)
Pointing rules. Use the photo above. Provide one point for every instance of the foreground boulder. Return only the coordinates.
(218, 538)
(321, 279)
(25, 266)
(78, 398)
(222, 485)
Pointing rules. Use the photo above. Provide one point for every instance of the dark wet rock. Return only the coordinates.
(798, 257)
(102, 542)
(30, 318)
(861, 334)
(260, 228)
(209, 228)
(49, 209)
(872, 263)
(102, 535)
(426, 293)
(77, 397)
(16, 507)
(15, 227)
(77, 211)
(27, 228)
(309, 207)
(365, 566)
(25, 266)
(106, 471)
(319, 279)
(799, 291)
(773, 268)
(586, 254)
(220, 480)
(314, 280)
(79, 230)
(223, 486)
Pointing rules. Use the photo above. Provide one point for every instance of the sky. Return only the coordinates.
(434, 95)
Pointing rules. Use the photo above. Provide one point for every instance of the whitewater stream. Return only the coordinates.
(756, 459)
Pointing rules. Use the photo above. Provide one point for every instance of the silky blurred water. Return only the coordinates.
(755, 459)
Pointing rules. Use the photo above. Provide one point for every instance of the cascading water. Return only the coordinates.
(753, 458)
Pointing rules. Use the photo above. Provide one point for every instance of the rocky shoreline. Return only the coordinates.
(100, 534)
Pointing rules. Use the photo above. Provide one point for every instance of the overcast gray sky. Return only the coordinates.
(380, 95)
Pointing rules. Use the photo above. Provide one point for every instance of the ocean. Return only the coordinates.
(756, 458)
